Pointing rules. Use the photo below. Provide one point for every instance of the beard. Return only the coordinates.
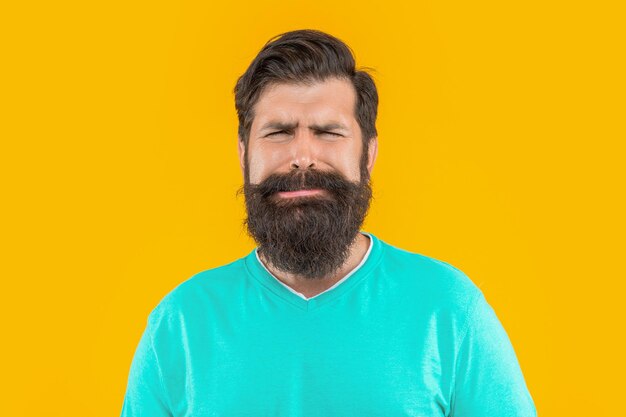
(308, 236)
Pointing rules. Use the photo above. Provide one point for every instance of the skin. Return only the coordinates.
(298, 126)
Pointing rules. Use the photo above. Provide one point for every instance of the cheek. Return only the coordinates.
(349, 162)
(346, 164)
(262, 164)
(255, 170)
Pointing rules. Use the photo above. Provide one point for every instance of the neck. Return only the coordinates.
(311, 287)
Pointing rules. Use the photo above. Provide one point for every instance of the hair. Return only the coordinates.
(305, 57)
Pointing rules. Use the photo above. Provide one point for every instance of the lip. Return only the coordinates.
(300, 193)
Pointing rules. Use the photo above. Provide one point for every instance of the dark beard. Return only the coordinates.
(307, 236)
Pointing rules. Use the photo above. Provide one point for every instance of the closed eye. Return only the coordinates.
(330, 133)
(276, 133)
(281, 132)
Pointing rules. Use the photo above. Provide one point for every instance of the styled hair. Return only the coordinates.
(305, 57)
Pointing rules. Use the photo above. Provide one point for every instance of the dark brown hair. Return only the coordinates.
(303, 57)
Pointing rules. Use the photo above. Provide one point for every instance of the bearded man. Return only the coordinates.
(321, 319)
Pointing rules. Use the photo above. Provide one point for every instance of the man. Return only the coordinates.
(321, 319)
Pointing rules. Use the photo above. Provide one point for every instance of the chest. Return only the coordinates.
(311, 367)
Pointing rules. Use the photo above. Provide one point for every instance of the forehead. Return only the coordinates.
(329, 101)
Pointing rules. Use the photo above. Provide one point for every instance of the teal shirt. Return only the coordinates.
(404, 335)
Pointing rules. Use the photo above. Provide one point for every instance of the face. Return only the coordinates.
(306, 178)
(299, 127)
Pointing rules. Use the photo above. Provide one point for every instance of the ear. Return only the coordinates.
(241, 149)
(372, 153)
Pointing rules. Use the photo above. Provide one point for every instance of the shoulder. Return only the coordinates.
(435, 282)
(192, 294)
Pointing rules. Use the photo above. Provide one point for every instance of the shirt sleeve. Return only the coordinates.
(145, 395)
(488, 378)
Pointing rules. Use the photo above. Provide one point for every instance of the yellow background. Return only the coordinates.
(501, 127)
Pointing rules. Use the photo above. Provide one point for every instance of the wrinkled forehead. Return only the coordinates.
(331, 101)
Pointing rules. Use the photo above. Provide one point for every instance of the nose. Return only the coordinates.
(304, 152)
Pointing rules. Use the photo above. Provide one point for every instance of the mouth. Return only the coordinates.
(301, 193)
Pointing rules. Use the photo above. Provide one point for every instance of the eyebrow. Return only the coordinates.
(290, 126)
(279, 126)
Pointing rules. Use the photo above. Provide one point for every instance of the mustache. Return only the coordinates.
(330, 181)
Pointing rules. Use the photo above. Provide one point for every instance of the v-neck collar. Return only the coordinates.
(265, 278)
(336, 284)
